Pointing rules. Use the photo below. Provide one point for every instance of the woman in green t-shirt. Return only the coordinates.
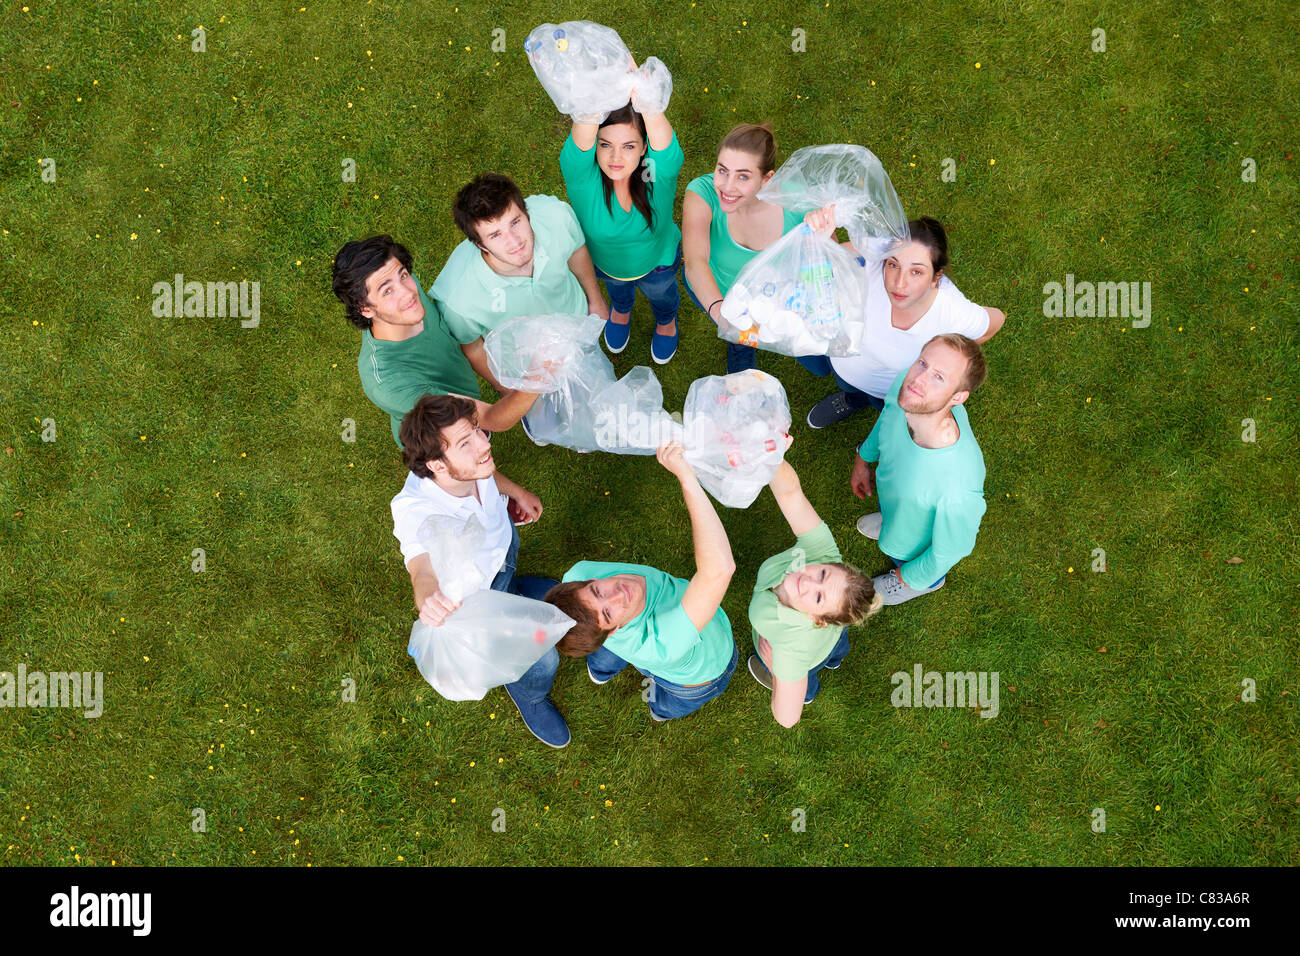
(805, 599)
(725, 224)
(623, 198)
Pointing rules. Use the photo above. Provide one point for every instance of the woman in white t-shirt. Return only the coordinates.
(909, 301)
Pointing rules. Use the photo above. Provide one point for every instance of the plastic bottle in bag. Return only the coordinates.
(735, 434)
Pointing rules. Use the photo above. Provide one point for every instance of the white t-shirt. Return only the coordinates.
(886, 351)
(421, 497)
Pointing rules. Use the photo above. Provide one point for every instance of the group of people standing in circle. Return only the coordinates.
(422, 353)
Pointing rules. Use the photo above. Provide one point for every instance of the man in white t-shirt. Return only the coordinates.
(909, 301)
(453, 473)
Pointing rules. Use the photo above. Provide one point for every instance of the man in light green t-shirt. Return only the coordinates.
(804, 600)
(406, 348)
(673, 631)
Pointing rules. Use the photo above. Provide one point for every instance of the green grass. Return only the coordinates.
(1123, 165)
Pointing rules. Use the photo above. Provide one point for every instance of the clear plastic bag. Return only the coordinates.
(853, 179)
(559, 357)
(803, 295)
(490, 640)
(736, 427)
(630, 417)
(584, 67)
(538, 353)
(654, 87)
(453, 544)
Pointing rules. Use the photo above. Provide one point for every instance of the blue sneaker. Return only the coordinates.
(544, 721)
(523, 423)
(663, 347)
(617, 334)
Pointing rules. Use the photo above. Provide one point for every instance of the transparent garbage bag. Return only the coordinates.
(851, 178)
(735, 434)
(803, 295)
(584, 67)
(559, 357)
(654, 87)
(629, 415)
(453, 543)
(491, 639)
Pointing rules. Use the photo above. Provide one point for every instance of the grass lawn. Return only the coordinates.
(1120, 690)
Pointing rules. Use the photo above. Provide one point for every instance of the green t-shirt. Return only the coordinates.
(621, 243)
(395, 374)
(661, 640)
(798, 645)
(475, 299)
(931, 499)
(726, 257)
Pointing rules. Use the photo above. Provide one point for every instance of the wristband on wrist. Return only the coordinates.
(709, 310)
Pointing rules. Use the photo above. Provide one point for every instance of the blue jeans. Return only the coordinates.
(667, 700)
(659, 287)
(820, 365)
(739, 357)
(536, 683)
(837, 654)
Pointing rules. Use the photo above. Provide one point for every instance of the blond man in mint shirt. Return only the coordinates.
(519, 257)
(930, 476)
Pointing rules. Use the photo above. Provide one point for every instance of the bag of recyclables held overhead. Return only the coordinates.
(735, 434)
(588, 71)
(493, 638)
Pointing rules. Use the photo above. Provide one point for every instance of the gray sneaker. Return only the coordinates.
(892, 590)
(869, 525)
(758, 670)
(831, 409)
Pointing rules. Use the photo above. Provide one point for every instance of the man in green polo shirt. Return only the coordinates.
(930, 475)
(673, 631)
(520, 257)
(406, 348)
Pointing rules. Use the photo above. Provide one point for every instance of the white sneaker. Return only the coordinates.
(869, 525)
(893, 591)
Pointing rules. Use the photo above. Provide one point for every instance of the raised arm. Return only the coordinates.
(714, 564)
(476, 354)
(697, 218)
(505, 413)
(584, 135)
(788, 492)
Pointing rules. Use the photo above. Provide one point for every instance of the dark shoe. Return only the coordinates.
(523, 423)
(544, 721)
(831, 409)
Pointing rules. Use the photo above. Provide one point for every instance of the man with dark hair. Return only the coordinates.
(931, 470)
(406, 348)
(520, 257)
(453, 473)
(673, 631)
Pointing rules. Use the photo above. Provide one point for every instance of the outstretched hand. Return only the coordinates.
(437, 607)
(673, 457)
(821, 220)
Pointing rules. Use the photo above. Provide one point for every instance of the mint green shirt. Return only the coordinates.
(661, 640)
(395, 374)
(798, 645)
(621, 243)
(931, 499)
(475, 300)
(726, 257)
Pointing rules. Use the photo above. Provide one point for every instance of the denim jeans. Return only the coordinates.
(659, 287)
(837, 654)
(739, 357)
(820, 365)
(667, 700)
(536, 683)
